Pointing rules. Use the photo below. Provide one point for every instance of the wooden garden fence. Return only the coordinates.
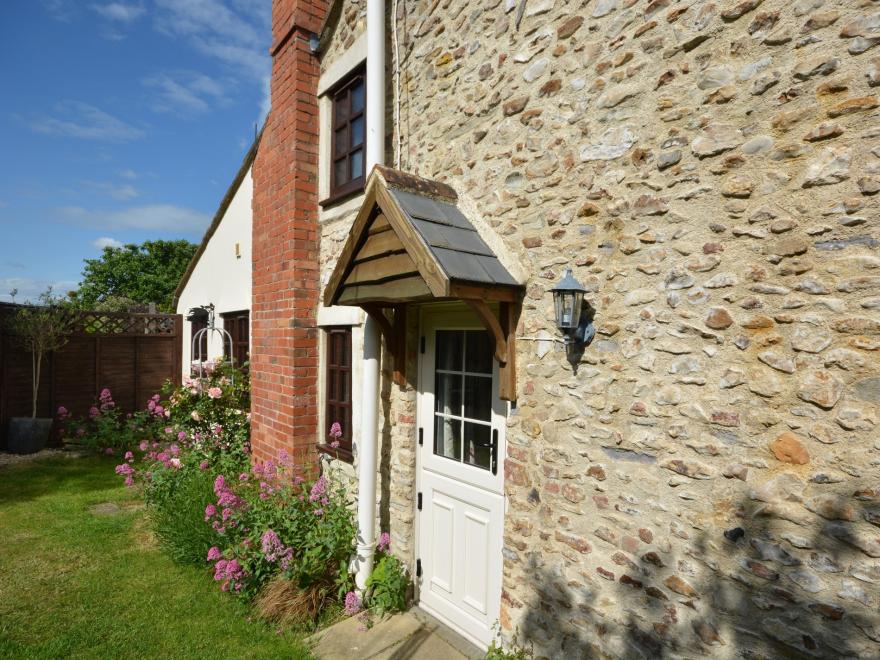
(131, 354)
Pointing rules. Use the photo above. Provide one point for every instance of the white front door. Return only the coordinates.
(460, 474)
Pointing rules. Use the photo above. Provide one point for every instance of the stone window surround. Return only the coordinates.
(349, 61)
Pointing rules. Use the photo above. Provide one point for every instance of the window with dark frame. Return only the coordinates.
(348, 136)
(337, 406)
(201, 351)
(238, 325)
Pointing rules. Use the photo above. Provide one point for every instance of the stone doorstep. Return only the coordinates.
(412, 634)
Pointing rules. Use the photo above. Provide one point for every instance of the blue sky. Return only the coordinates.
(120, 122)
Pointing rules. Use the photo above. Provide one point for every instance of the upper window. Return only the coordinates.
(348, 142)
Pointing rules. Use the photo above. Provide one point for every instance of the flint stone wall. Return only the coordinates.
(705, 480)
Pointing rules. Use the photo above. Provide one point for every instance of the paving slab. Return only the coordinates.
(412, 634)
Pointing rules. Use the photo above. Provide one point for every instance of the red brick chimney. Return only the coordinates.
(286, 288)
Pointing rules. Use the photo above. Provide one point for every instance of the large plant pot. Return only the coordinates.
(28, 435)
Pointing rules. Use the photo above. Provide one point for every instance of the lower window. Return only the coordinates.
(337, 394)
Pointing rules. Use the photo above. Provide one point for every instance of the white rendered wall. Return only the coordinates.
(221, 277)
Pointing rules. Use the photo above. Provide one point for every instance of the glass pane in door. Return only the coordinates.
(447, 437)
(478, 445)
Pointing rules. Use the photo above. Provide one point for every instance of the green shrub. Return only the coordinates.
(387, 586)
(177, 500)
(514, 650)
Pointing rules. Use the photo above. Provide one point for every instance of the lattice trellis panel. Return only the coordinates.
(130, 325)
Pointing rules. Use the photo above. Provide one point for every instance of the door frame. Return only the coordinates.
(455, 315)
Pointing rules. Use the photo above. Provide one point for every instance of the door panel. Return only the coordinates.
(460, 549)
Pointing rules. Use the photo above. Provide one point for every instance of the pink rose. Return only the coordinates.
(215, 392)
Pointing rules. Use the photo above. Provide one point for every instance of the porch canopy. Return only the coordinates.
(411, 243)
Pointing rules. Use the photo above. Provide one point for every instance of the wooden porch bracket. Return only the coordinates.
(503, 333)
(394, 332)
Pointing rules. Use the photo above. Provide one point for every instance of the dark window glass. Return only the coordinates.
(349, 139)
(463, 396)
(200, 351)
(338, 389)
(238, 325)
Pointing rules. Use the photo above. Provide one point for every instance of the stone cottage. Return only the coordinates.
(701, 476)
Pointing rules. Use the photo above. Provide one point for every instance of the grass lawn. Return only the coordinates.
(80, 584)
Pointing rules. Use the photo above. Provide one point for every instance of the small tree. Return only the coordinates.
(41, 329)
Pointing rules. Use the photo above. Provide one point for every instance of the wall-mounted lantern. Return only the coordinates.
(568, 300)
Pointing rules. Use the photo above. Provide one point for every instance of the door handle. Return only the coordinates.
(494, 462)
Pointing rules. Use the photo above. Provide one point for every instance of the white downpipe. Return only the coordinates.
(367, 451)
(367, 448)
(375, 84)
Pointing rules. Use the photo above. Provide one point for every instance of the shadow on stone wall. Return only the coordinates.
(784, 584)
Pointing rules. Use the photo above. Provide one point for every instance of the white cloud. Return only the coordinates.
(235, 32)
(122, 192)
(107, 242)
(82, 120)
(120, 11)
(60, 10)
(185, 91)
(30, 289)
(150, 217)
(128, 174)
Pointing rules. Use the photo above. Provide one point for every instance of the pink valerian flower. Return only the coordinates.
(108, 451)
(243, 476)
(181, 436)
(219, 484)
(318, 489)
(128, 456)
(144, 445)
(335, 433)
(203, 466)
(124, 469)
(384, 541)
(214, 553)
(352, 603)
(215, 392)
(173, 449)
(63, 413)
(94, 412)
(230, 573)
(210, 512)
(176, 463)
(168, 430)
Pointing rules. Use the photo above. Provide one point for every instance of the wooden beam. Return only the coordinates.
(484, 292)
(380, 224)
(509, 313)
(376, 313)
(490, 322)
(399, 348)
(378, 245)
(410, 289)
(393, 267)
(394, 332)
